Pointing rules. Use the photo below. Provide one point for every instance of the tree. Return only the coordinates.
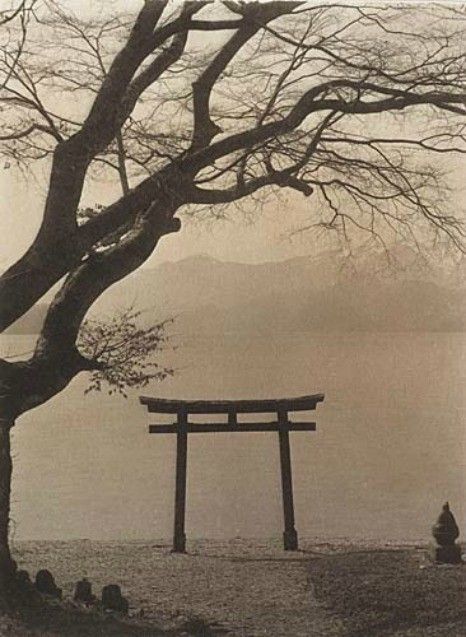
(345, 105)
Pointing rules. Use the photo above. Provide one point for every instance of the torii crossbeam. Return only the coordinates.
(183, 408)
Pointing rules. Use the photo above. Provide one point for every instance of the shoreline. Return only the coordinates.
(252, 587)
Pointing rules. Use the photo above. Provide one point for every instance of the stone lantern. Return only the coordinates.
(445, 532)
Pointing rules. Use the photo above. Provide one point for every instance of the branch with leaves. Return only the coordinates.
(122, 353)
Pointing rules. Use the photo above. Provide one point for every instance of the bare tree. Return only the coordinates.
(352, 107)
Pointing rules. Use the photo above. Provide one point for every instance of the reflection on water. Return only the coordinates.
(388, 451)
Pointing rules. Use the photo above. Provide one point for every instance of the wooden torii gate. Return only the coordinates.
(183, 408)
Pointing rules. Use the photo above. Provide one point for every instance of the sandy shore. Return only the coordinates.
(240, 587)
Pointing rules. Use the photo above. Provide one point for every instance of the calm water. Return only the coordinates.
(389, 449)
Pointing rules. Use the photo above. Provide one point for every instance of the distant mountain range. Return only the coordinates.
(300, 294)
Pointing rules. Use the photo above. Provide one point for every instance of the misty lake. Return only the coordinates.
(389, 447)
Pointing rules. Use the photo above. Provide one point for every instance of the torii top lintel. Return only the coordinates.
(168, 406)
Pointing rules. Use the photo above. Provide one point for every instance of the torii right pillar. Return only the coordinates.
(290, 535)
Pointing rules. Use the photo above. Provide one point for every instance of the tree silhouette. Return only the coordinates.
(193, 105)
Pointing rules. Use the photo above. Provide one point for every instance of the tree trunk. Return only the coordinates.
(6, 563)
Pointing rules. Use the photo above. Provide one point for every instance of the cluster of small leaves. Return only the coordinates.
(123, 351)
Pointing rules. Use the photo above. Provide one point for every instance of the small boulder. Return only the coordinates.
(22, 577)
(112, 599)
(83, 592)
(45, 584)
(23, 585)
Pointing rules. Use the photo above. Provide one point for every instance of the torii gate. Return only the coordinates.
(182, 427)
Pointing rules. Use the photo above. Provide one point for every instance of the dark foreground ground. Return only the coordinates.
(247, 588)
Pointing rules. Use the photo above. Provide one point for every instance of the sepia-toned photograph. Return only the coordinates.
(233, 318)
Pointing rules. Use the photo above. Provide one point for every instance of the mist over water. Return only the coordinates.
(389, 447)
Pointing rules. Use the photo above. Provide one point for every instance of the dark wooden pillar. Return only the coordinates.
(290, 535)
(179, 537)
(6, 563)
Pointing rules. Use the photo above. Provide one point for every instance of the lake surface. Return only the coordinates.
(389, 448)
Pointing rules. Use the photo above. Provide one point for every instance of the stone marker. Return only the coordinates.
(83, 592)
(45, 584)
(112, 599)
(445, 532)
